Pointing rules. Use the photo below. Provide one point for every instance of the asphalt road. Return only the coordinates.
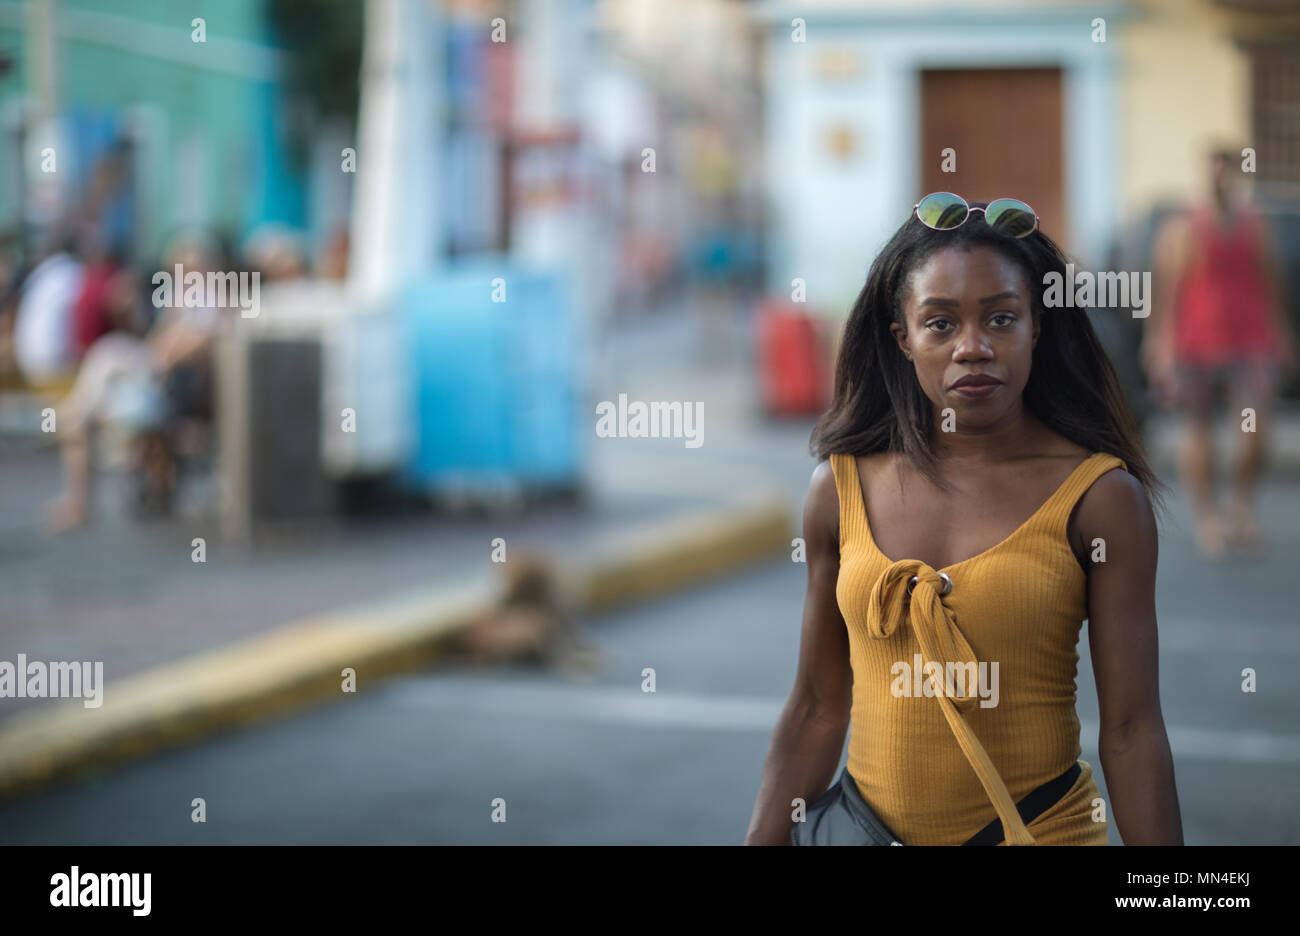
(421, 760)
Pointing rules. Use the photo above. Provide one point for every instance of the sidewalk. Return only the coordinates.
(130, 595)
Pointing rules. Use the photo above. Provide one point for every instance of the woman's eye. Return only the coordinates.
(934, 325)
(1007, 317)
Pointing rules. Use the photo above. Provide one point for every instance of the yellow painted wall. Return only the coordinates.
(1183, 85)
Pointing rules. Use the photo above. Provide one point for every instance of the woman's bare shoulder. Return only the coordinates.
(865, 465)
(821, 511)
(822, 482)
(1116, 508)
(822, 506)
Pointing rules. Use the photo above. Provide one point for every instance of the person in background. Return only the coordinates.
(332, 259)
(277, 252)
(135, 384)
(1219, 319)
(42, 337)
(11, 278)
(92, 317)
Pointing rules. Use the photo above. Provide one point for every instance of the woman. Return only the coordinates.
(974, 434)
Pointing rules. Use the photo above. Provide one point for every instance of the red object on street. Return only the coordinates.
(792, 361)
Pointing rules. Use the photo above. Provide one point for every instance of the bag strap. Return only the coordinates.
(1035, 803)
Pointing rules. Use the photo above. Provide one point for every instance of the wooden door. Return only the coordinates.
(1006, 127)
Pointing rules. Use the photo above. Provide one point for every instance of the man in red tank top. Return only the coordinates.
(1219, 323)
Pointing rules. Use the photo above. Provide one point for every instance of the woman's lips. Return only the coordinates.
(976, 391)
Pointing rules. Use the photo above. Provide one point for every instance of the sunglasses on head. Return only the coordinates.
(943, 211)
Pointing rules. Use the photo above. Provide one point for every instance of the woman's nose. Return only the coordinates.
(973, 343)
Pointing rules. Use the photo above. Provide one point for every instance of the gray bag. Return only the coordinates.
(842, 817)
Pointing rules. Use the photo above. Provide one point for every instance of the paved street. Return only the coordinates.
(420, 760)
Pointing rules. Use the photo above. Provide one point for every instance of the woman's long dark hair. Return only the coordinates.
(1072, 388)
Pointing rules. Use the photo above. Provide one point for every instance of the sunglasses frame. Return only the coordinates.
(970, 209)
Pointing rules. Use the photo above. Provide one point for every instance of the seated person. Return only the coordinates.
(124, 384)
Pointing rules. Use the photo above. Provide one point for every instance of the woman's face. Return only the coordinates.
(968, 314)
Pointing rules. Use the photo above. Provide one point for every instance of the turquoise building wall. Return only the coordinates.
(209, 111)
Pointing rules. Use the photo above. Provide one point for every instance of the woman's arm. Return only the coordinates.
(1169, 257)
(809, 735)
(1271, 269)
(1134, 748)
(177, 342)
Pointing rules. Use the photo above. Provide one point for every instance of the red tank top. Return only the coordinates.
(1223, 302)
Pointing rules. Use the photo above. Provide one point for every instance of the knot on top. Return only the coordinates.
(911, 590)
(943, 644)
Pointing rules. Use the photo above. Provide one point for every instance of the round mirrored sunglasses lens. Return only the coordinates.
(942, 210)
(1010, 217)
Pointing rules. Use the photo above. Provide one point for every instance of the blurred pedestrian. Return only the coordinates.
(332, 260)
(43, 341)
(141, 387)
(1219, 323)
(277, 252)
(11, 277)
(92, 317)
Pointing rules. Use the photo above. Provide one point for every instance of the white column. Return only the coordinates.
(396, 227)
(554, 235)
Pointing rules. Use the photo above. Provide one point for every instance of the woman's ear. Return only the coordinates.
(900, 336)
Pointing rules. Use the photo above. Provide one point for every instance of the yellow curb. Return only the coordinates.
(254, 679)
(683, 552)
(303, 661)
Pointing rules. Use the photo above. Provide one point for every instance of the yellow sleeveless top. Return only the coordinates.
(929, 763)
